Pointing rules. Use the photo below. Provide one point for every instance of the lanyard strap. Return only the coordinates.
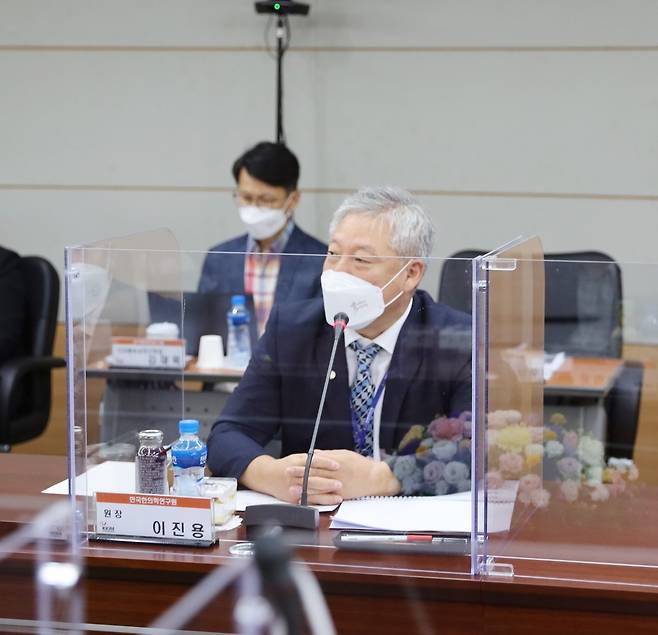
(361, 430)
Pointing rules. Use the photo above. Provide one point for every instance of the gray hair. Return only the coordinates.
(412, 231)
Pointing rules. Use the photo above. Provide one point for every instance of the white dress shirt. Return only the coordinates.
(378, 368)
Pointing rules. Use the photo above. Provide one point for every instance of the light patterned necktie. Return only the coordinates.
(361, 397)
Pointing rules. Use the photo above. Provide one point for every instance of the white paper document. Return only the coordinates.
(111, 476)
(119, 477)
(552, 363)
(442, 514)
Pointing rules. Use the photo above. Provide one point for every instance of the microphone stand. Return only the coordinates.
(302, 516)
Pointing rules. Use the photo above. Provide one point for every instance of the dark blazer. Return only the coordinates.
(429, 375)
(13, 306)
(299, 276)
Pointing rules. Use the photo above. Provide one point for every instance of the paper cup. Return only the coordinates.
(211, 352)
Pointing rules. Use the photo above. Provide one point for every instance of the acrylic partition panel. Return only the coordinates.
(509, 355)
(107, 290)
(591, 512)
(47, 589)
(423, 406)
(40, 566)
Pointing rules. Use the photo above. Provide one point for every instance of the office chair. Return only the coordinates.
(583, 302)
(25, 381)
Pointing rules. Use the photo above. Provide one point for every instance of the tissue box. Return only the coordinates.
(223, 491)
(142, 352)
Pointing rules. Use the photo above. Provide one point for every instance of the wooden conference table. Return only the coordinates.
(590, 377)
(137, 398)
(131, 584)
(578, 389)
(578, 376)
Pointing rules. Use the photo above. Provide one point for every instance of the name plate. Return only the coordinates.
(154, 518)
(141, 352)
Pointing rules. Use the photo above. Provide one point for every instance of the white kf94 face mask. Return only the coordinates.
(362, 301)
(262, 222)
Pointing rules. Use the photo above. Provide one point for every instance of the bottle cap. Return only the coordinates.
(237, 299)
(151, 435)
(188, 426)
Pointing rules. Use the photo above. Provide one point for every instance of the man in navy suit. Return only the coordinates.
(405, 359)
(267, 196)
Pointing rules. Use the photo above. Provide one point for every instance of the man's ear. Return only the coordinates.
(415, 271)
(295, 195)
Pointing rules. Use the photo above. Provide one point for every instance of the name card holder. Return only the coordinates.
(152, 518)
(142, 352)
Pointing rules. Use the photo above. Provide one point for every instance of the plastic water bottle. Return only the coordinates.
(188, 459)
(239, 342)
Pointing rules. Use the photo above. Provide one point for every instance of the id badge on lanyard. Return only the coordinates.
(362, 430)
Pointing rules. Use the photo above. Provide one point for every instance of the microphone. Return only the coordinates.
(340, 323)
(301, 515)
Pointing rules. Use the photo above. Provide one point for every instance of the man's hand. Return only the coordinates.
(279, 478)
(358, 475)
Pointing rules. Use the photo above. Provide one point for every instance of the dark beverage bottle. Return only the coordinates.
(151, 463)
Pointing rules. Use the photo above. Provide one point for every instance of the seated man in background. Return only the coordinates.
(12, 307)
(399, 364)
(266, 196)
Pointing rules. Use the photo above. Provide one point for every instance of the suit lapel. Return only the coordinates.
(402, 371)
(336, 422)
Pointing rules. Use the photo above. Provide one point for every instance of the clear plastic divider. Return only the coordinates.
(515, 415)
(114, 362)
(509, 312)
(579, 439)
(424, 427)
(40, 566)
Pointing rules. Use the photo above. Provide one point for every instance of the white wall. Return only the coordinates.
(508, 117)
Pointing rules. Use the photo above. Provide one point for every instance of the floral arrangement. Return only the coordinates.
(552, 460)
(537, 456)
(434, 459)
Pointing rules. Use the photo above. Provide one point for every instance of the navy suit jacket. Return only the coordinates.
(429, 375)
(299, 276)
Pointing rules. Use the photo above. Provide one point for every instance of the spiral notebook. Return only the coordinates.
(438, 514)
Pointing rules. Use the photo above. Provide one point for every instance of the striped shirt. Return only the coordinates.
(261, 271)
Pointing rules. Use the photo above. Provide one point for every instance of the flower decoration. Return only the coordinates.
(434, 459)
(550, 460)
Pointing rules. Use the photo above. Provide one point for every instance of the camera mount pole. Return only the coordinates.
(282, 9)
(280, 137)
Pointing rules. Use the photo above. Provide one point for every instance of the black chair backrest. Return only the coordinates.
(583, 304)
(42, 286)
(455, 283)
(583, 294)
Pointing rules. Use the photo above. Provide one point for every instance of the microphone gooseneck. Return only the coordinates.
(300, 516)
(340, 323)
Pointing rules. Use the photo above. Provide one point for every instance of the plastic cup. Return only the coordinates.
(223, 491)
